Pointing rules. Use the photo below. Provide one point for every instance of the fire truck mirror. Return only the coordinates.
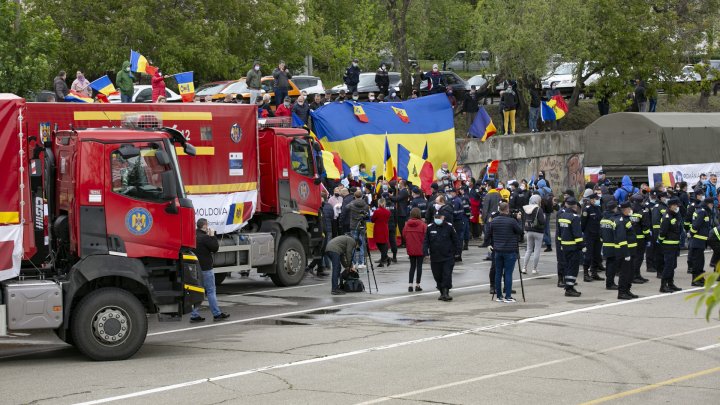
(128, 151)
(189, 149)
(169, 184)
(162, 157)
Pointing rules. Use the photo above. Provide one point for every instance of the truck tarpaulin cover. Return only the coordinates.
(11, 232)
(411, 124)
(222, 180)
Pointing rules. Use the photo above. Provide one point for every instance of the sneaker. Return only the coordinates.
(195, 319)
(223, 316)
(534, 271)
(548, 249)
(410, 289)
(510, 300)
(417, 288)
(523, 271)
(572, 292)
(499, 299)
(337, 292)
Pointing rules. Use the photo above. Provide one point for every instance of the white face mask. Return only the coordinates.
(127, 69)
(371, 98)
(257, 67)
(355, 98)
(354, 64)
(437, 206)
(522, 187)
(394, 94)
(438, 221)
(676, 210)
(630, 212)
(286, 104)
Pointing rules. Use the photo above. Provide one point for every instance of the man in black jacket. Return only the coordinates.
(572, 244)
(471, 106)
(206, 245)
(401, 200)
(505, 232)
(382, 80)
(352, 76)
(442, 245)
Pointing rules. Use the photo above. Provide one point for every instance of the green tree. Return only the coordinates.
(709, 296)
(28, 46)
(438, 29)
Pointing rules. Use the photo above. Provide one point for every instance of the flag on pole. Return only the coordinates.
(483, 126)
(103, 85)
(139, 63)
(186, 86)
(553, 109)
(389, 173)
(332, 164)
(493, 167)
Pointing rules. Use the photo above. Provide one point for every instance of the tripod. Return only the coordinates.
(362, 237)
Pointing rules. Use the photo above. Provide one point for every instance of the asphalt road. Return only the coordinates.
(301, 345)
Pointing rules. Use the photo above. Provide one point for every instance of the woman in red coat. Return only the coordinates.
(381, 231)
(158, 85)
(414, 235)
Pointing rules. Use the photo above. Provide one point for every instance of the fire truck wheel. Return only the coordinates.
(109, 324)
(291, 262)
(219, 278)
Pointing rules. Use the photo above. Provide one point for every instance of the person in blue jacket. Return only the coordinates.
(626, 190)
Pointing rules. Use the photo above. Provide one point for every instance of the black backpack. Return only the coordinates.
(532, 222)
(350, 281)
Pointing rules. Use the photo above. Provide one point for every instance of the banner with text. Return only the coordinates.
(671, 174)
(225, 212)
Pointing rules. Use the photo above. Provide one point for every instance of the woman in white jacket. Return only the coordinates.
(535, 224)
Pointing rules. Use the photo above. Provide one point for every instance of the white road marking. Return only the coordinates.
(323, 359)
(273, 290)
(702, 349)
(531, 367)
(304, 311)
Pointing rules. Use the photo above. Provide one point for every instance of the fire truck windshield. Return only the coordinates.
(139, 176)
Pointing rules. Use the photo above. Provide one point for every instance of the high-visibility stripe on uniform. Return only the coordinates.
(696, 236)
(194, 288)
(564, 221)
(632, 245)
(717, 234)
(670, 242)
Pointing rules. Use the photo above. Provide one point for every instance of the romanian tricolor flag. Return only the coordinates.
(592, 174)
(75, 97)
(389, 173)
(414, 169)
(139, 63)
(186, 86)
(432, 128)
(667, 179)
(360, 113)
(103, 85)
(554, 109)
(402, 114)
(332, 164)
(483, 126)
(493, 167)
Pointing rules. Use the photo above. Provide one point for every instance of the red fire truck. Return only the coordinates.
(257, 185)
(96, 231)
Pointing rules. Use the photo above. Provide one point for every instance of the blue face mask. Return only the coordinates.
(597, 203)
(438, 221)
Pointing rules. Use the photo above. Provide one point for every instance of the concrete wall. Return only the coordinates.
(559, 154)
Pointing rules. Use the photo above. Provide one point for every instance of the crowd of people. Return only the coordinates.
(610, 229)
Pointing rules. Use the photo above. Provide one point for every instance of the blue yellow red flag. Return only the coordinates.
(331, 165)
(553, 109)
(360, 113)
(431, 127)
(389, 173)
(186, 86)
(402, 114)
(139, 63)
(75, 97)
(103, 85)
(483, 126)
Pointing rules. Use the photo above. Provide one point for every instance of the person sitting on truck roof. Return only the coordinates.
(60, 87)
(206, 245)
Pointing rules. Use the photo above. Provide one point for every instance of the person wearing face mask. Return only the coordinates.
(301, 109)
(669, 238)
(658, 215)
(642, 224)
(382, 80)
(505, 232)
(703, 222)
(504, 193)
(418, 201)
(341, 96)
(604, 181)
(590, 225)
(81, 85)
(470, 107)
(253, 80)
(355, 96)
(650, 203)
(436, 81)
(158, 85)
(609, 244)
(124, 83)
(281, 82)
(442, 245)
(371, 97)
(626, 242)
(571, 243)
(393, 98)
(351, 78)
(284, 109)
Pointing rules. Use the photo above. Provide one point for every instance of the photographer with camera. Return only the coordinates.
(340, 251)
(358, 210)
(207, 244)
(444, 176)
(505, 232)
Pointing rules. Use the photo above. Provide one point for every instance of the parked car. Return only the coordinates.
(212, 88)
(239, 87)
(459, 86)
(564, 78)
(464, 60)
(367, 84)
(688, 75)
(481, 82)
(310, 84)
(143, 94)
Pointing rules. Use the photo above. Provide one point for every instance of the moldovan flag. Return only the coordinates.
(75, 97)
(431, 126)
(103, 85)
(389, 172)
(360, 113)
(139, 63)
(333, 165)
(186, 86)
(414, 169)
(239, 213)
(402, 114)
(483, 126)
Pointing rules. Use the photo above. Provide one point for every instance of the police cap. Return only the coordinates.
(673, 201)
(611, 205)
(625, 204)
(709, 200)
(571, 201)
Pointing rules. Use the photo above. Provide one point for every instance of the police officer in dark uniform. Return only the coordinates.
(590, 223)
(418, 201)
(572, 244)
(703, 222)
(609, 244)
(642, 224)
(558, 251)
(669, 237)
(626, 243)
(714, 243)
(442, 245)
(463, 194)
(658, 213)
(392, 224)
(695, 203)
(401, 200)
(651, 241)
(458, 215)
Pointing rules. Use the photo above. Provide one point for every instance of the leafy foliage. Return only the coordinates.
(709, 296)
